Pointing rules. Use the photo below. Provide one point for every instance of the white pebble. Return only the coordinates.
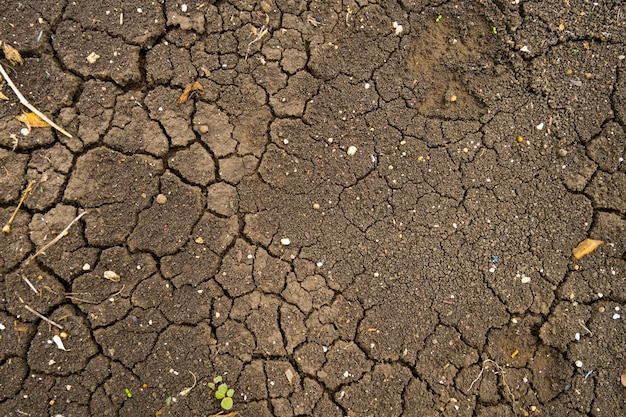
(577, 336)
(539, 126)
(525, 280)
(285, 241)
(351, 150)
(86, 267)
(397, 28)
(183, 7)
(579, 364)
(113, 276)
(24, 131)
(139, 10)
(616, 316)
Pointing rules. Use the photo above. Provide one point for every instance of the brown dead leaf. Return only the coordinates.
(190, 90)
(233, 414)
(586, 247)
(12, 54)
(31, 120)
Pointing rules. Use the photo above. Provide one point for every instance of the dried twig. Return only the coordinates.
(7, 227)
(44, 318)
(56, 239)
(30, 106)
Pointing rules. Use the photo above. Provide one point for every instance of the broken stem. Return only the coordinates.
(32, 287)
(44, 318)
(56, 239)
(30, 106)
(7, 227)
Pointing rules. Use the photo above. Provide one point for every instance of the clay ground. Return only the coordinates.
(370, 210)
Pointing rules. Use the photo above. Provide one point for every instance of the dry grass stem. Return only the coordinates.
(56, 239)
(7, 227)
(44, 318)
(32, 287)
(30, 106)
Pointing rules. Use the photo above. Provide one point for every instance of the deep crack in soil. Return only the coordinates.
(369, 210)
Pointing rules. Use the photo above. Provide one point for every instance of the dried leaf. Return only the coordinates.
(189, 91)
(2, 96)
(233, 414)
(12, 55)
(586, 247)
(31, 120)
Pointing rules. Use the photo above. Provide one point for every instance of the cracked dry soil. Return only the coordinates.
(369, 211)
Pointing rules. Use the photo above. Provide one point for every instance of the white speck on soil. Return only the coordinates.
(285, 241)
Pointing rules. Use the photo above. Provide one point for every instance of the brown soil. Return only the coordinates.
(368, 211)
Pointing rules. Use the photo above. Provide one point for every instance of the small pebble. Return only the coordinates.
(204, 129)
(562, 152)
(579, 364)
(520, 139)
(316, 206)
(183, 7)
(86, 267)
(285, 241)
(525, 280)
(351, 150)
(111, 275)
(199, 240)
(161, 199)
(453, 98)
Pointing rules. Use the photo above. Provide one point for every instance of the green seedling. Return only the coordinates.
(438, 19)
(128, 393)
(494, 30)
(222, 393)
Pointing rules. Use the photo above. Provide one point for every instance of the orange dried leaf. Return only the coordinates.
(12, 55)
(31, 120)
(189, 91)
(586, 247)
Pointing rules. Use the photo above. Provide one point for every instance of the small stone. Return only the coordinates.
(199, 240)
(285, 241)
(86, 267)
(579, 364)
(562, 152)
(183, 7)
(453, 98)
(525, 280)
(204, 129)
(351, 150)
(161, 199)
(316, 206)
(112, 276)
(92, 58)
(520, 139)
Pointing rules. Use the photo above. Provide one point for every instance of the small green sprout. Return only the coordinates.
(222, 393)
(494, 30)
(128, 393)
(439, 17)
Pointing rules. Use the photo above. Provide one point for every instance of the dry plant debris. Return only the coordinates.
(585, 247)
(189, 91)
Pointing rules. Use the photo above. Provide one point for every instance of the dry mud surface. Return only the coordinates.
(370, 210)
